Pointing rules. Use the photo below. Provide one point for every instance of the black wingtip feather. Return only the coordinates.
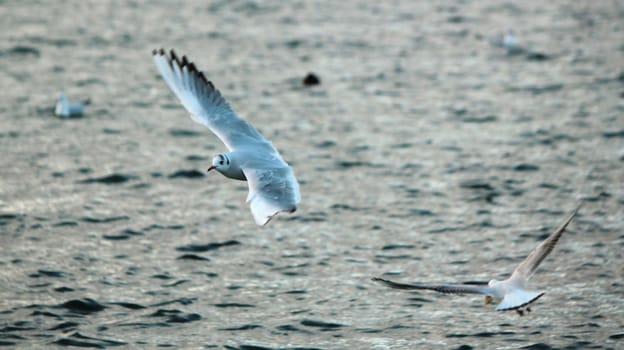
(173, 57)
(203, 78)
(391, 284)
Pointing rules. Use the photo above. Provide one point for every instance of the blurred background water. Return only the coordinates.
(425, 154)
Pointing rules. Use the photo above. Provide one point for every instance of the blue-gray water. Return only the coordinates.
(425, 154)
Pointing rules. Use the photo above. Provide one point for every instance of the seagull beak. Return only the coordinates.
(212, 167)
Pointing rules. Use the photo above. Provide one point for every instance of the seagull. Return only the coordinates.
(508, 40)
(273, 187)
(66, 109)
(513, 290)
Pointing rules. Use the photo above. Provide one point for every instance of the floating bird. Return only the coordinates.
(273, 187)
(513, 290)
(508, 40)
(66, 109)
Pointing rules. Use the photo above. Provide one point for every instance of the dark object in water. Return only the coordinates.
(311, 79)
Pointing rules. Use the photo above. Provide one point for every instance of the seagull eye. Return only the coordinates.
(221, 162)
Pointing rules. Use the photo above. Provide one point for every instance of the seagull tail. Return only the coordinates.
(264, 210)
(517, 299)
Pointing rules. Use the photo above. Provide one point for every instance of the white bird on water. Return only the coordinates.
(273, 187)
(507, 40)
(66, 109)
(513, 290)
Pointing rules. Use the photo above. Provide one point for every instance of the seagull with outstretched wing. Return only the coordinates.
(273, 187)
(513, 290)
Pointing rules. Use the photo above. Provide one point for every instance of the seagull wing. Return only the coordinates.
(271, 190)
(518, 298)
(444, 288)
(528, 267)
(205, 103)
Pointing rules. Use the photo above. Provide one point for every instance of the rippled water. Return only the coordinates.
(425, 154)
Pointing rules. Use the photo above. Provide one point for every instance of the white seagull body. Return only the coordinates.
(513, 290)
(273, 187)
(508, 40)
(66, 109)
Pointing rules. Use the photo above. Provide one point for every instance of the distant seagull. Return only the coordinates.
(512, 290)
(66, 109)
(273, 187)
(507, 40)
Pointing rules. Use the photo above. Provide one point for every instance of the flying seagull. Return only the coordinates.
(513, 290)
(273, 187)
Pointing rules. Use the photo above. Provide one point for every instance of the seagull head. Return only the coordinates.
(61, 97)
(220, 163)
